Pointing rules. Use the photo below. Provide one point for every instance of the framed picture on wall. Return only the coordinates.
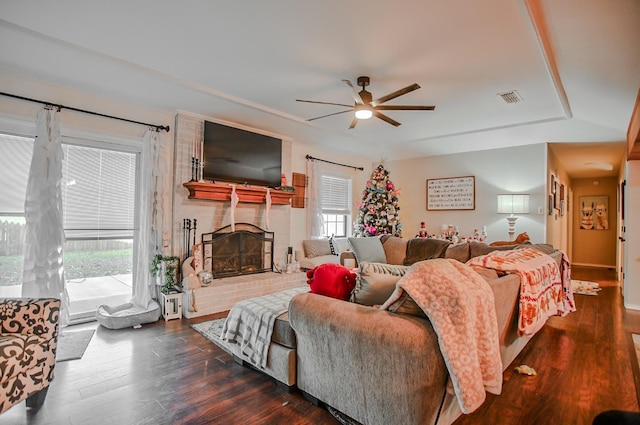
(451, 193)
(594, 212)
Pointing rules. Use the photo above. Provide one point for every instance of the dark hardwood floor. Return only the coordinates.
(166, 373)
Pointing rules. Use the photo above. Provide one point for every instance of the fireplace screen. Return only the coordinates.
(247, 250)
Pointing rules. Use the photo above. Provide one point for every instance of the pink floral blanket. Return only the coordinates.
(460, 305)
(545, 290)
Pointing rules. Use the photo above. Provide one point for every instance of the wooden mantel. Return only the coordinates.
(246, 193)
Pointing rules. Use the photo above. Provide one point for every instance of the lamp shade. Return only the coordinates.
(513, 204)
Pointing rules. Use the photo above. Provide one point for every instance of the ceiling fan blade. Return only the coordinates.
(354, 92)
(395, 94)
(383, 117)
(353, 123)
(328, 115)
(324, 103)
(404, 108)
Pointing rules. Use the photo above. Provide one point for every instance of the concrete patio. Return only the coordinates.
(85, 295)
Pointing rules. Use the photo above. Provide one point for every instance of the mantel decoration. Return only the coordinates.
(378, 211)
(452, 193)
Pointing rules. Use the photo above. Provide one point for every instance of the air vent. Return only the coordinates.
(511, 96)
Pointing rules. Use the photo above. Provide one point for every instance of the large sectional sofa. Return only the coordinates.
(381, 367)
(378, 366)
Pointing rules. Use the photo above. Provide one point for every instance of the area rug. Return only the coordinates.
(584, 287)
(72, 345)
(212, 330)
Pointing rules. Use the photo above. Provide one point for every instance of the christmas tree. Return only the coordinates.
(378, 211)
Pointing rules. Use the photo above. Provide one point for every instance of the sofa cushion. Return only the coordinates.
(310, 263)
(282, 332)
(406, 305)
(459, 252)
(316, 247)
(368, 250)
(419, 249)
(544, 247)
(395, 249)
(376, 282)
(478, 248)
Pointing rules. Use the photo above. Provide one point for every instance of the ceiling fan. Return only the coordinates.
(365, 107)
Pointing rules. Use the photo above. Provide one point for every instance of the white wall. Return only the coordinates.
(511, 170)
(632, 235)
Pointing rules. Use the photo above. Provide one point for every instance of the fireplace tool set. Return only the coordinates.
(187, 229)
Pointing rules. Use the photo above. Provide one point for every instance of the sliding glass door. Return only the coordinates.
(99, 199)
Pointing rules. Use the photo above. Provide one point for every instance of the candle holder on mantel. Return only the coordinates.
(195, 166)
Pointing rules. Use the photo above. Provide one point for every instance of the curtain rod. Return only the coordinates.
(310, 158)
(157, 127)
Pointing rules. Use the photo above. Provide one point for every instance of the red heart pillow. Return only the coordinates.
(331, 280)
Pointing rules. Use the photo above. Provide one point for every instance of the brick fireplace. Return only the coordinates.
(245, 249)
(212, 215)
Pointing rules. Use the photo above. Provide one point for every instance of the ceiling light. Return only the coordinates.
(364, 113)
(599, 166)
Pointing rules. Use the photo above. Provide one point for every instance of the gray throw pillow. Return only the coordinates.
(316, 247)
(376, 282)
(368, 250)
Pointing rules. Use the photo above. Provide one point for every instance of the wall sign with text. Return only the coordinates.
(454, 193)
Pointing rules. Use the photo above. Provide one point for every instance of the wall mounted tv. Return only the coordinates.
(239, 156)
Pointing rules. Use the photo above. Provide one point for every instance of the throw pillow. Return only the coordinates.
(376, 282)
(395, 249)
(368, 250)
(331, 280)
(341, 245)
(332, 246)
(316, 247)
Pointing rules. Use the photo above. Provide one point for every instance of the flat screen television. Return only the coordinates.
(239, 156)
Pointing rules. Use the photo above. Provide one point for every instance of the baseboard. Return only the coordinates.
(602, 266)
(632, 306)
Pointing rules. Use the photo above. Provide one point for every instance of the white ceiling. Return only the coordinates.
(576, 64)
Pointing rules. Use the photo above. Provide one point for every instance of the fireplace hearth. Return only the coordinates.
(247, 250)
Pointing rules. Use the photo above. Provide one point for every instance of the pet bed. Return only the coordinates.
(127, 315)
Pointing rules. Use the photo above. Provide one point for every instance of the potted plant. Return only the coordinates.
(165, 270)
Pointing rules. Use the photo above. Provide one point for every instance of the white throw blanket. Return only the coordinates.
(460, 305)
(250, 323)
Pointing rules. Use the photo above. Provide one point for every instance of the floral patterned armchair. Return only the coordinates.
(28, 342)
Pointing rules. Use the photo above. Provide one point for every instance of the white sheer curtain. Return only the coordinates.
(43, 271)
(315, 222)
(149, 241)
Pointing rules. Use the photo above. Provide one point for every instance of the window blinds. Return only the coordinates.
(98, 193)
(336, 196)
(14, 172)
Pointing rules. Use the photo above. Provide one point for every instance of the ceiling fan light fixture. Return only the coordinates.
(363, 112)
